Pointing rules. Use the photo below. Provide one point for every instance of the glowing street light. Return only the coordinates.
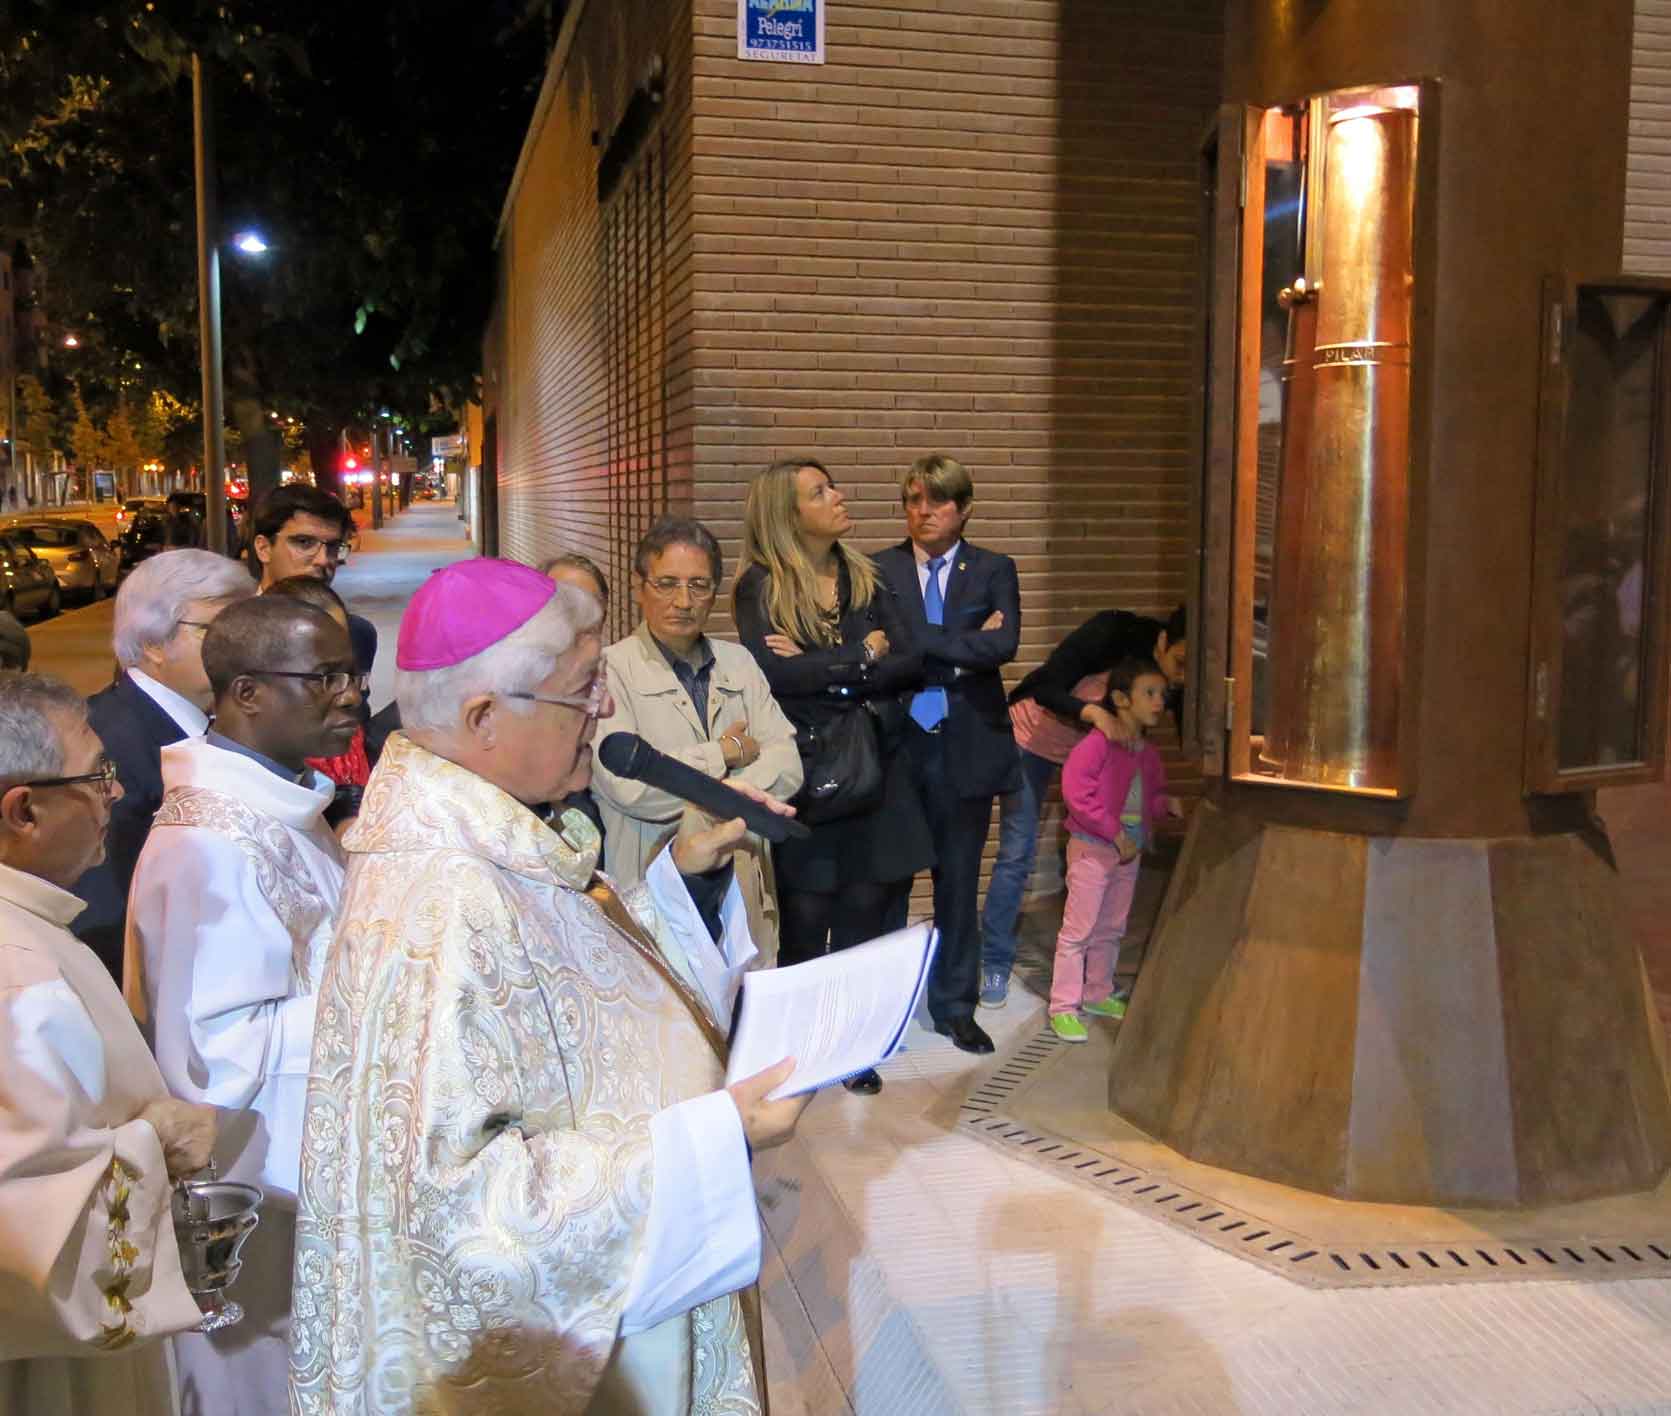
(251, 243)
(71, 342)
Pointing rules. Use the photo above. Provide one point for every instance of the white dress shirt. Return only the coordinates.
(187, 716)
(944, 574)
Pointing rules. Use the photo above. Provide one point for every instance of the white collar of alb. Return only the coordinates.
(39, 897)
(197, 763)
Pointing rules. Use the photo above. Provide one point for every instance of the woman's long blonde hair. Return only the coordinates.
(771, 538)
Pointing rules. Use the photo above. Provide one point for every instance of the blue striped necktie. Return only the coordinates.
(928, 708)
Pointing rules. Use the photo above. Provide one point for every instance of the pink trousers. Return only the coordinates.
(1093, 922)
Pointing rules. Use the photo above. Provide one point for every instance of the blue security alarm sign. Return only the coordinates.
(789, 31)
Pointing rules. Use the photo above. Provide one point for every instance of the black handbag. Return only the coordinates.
(841, 762)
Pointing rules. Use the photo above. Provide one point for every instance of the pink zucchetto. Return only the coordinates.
(467, 607)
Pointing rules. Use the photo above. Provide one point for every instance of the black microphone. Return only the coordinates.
(628, 755)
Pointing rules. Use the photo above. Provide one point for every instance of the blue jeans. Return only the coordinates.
(1018, 844)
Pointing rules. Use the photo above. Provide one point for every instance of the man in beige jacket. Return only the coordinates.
(700, 700)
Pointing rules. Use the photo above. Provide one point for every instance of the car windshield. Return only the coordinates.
(136, 503)
(49, 536)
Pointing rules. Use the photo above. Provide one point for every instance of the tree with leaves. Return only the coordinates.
(371, 144)
(39, 422)
(88, 444)
(122, 446)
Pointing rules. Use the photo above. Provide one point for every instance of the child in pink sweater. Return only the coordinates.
(1113, 793)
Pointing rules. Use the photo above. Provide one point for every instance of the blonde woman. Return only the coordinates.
(827, 632)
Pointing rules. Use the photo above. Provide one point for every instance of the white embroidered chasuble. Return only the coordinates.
(231, 912)
(89, 1271)
(523, 1186)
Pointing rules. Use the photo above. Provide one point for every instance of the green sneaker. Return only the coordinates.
(1109, 1007)
(1068, 1028)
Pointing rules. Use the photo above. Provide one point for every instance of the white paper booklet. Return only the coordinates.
(836, 1015)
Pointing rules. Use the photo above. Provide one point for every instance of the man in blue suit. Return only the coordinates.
(963, 605)
(160, 696)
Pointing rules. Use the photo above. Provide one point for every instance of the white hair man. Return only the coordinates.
(524, 1184)
(89, 1139)
(161, 696)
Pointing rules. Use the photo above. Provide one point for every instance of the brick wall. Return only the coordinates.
(587, 361)
(973, 230)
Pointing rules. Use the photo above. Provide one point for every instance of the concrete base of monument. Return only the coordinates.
(1045, 1102)
(1451, 1023)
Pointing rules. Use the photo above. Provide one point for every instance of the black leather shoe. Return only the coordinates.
(965, 1033)
(865, 1083)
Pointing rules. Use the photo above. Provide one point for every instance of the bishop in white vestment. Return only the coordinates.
(233, 904)
(525, 1187)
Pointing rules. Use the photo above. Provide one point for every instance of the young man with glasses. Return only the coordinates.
(702, 701)
(301, 530)
(160, 696)
(90, 1141)
(233, 907)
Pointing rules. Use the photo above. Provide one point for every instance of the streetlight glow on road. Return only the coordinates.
(250, 243)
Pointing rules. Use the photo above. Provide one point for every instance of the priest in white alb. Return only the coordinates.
(90, 1280)
(525, 1185)
(233, 905)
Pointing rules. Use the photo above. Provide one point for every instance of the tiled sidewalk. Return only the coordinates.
(914, 1270)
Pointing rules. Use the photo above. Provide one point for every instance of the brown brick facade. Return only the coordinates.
(973, 230)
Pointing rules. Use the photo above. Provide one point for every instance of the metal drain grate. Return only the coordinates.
(1286, 1251)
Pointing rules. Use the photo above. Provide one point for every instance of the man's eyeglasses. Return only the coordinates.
(308, 546)
(590, 703)
(328, 684)
(104, 775)
(192, 624)
(667, 586)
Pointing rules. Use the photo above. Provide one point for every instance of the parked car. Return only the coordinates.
(85, 563)
(197, 503)
(133, 506)
(27, 584)
(145, 535)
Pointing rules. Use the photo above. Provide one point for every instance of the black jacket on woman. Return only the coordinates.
(892, 842)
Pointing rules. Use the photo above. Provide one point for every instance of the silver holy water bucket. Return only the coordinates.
(212, 1218)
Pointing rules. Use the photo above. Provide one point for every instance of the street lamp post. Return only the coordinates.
(208, 312)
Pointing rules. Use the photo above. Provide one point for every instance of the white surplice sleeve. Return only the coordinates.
(218, 969)
(702, 1237)
(88, 1262)
(715, 968)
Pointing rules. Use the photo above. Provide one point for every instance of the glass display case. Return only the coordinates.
(1597, 696)
(1308, 466)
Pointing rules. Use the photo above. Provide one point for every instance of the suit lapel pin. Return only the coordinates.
(963, 565)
